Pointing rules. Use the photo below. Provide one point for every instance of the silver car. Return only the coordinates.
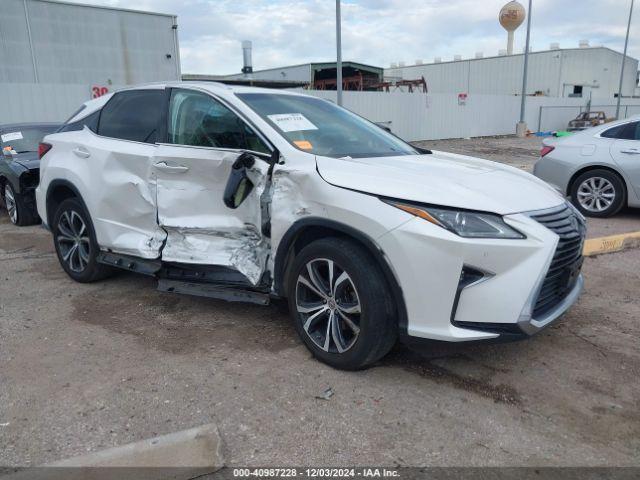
(599, 168)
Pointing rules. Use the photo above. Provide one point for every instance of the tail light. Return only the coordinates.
(43, 148)
(546, 150)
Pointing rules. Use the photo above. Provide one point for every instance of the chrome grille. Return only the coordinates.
(567, 260)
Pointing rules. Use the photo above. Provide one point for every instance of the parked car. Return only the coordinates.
(598, 168)
(586, 120)
(245, 194)
(19, 167)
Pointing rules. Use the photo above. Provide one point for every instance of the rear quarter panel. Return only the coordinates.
(570, 155)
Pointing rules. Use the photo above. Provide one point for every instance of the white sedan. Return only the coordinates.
(599, 168)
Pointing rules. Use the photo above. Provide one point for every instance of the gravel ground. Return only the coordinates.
(84, 367)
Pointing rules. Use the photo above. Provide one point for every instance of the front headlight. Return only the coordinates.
(463, 223)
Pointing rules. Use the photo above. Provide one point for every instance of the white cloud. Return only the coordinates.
(374, 31)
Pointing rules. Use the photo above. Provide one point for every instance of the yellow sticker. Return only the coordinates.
(303, 144)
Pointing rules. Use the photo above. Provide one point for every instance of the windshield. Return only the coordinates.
(322, 128)
(25, 139)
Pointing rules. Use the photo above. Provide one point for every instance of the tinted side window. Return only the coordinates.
(197, 119)
(90, 121)
(628, 131)
(132, 115)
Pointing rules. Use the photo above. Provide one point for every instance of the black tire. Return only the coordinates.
(617, 184)
(23, 214)
(82, 268)
(364, 285)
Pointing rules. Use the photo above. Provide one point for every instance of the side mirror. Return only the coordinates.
(424, 151)
(239, 185)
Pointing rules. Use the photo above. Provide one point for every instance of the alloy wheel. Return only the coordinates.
(10, 202)
(328, 305)
(596, 194)
(73, 241)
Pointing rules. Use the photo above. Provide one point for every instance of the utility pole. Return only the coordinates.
(624, 60)
(339, 53)
(521, 129)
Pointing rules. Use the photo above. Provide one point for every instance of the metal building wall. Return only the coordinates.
(412, 116)
(503, 75)
(56, 42)
(41, 102)
(416, 116)
(549, 72)
(294, 73)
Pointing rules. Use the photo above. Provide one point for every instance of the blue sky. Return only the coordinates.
(377, 32)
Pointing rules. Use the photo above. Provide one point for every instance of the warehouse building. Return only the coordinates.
(577, 72)
(56, 55)
(318, 76)
(55, 42)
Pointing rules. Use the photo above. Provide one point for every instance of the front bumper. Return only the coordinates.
(428, 263)
(531, 326)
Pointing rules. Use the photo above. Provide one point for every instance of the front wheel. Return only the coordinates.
(76, 244)
(341, 305)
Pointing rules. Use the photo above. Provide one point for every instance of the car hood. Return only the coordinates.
(444, 179)
(28, 160)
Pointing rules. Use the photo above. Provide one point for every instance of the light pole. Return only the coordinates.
(624, 60)
(521, 129)
(339, 53)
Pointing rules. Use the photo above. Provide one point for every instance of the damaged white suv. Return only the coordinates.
(246, 194)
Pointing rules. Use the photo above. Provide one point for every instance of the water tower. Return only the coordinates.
(511, 17)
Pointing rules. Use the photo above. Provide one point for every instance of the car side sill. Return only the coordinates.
(127, 262)
(229, 294)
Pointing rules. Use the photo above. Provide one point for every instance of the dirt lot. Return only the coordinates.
(84, 367)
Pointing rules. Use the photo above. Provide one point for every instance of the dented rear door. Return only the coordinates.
(115, 166)
(121, 200)
(191, 171)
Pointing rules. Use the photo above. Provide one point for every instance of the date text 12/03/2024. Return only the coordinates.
(365, 472)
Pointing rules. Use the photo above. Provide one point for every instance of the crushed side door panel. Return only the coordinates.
(200, 228)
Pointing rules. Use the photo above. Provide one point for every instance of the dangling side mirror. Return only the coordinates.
(239, 185)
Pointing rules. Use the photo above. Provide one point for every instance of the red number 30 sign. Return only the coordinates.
(98, 91)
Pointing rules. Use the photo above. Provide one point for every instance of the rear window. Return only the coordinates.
(132, 115)
(25, 139)
(628, 131)
(90, 121)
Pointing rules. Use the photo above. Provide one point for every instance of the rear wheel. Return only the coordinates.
(19, 213)
(76, 244)
(598, 193)
(341, 305)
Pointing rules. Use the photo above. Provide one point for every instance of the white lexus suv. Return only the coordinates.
(248, 194)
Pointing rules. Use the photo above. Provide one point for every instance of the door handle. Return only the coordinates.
(630, 152)
(81, 152)
(171, 168)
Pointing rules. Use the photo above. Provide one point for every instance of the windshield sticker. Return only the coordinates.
(9, 137)
(303, 145)
(292, 122)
